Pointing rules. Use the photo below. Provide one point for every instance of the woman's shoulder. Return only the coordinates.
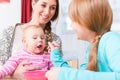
(54, 34)
(6, 37)
(5, 41)
(56, 38)
(7, 33)
(19, 25)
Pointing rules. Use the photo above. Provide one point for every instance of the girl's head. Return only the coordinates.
(91, 17)
(34, 39)
(95, 15)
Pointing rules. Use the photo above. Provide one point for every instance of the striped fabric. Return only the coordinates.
(42, 60)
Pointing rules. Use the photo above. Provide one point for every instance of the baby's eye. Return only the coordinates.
(34, 37)
(42, 37)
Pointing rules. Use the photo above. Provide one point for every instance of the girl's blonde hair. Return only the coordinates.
(97, 16)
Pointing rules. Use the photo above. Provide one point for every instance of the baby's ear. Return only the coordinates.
(24, 41)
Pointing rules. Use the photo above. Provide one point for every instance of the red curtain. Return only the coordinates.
(4, 1)
(25, 10)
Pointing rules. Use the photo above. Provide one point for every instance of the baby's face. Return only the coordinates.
(34, 40)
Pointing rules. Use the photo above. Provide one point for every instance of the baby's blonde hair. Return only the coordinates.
(28, 27)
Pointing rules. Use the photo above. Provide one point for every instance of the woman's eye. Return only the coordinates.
(53, 8)
(43, 5)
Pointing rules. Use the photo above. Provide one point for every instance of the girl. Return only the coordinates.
(91, 20)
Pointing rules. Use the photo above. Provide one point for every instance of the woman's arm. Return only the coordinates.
(18, 74)
(5, 43)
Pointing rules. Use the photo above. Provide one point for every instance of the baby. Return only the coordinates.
(34, 43)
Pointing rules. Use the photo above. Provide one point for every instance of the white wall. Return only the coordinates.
(115, 4)
(10, 13)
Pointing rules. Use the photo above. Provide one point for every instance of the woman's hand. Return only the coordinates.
(53, 73)
(18, 74)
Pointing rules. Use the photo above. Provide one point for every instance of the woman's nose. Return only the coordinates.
(47, 10)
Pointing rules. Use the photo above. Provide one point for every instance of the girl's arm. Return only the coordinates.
(64, 73)
(57, 59)
(56, 56)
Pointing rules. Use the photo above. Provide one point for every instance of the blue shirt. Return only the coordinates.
(108, 61)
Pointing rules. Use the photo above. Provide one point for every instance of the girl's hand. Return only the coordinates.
(53, 46)
(53, 73)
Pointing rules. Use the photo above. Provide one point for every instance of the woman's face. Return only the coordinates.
(43, 10)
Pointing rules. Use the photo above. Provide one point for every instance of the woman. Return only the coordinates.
(91, 20)
(44, 11)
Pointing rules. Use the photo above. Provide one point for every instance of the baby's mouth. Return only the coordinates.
(39, 46)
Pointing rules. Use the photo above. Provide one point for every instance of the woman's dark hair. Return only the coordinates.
(47, 28)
